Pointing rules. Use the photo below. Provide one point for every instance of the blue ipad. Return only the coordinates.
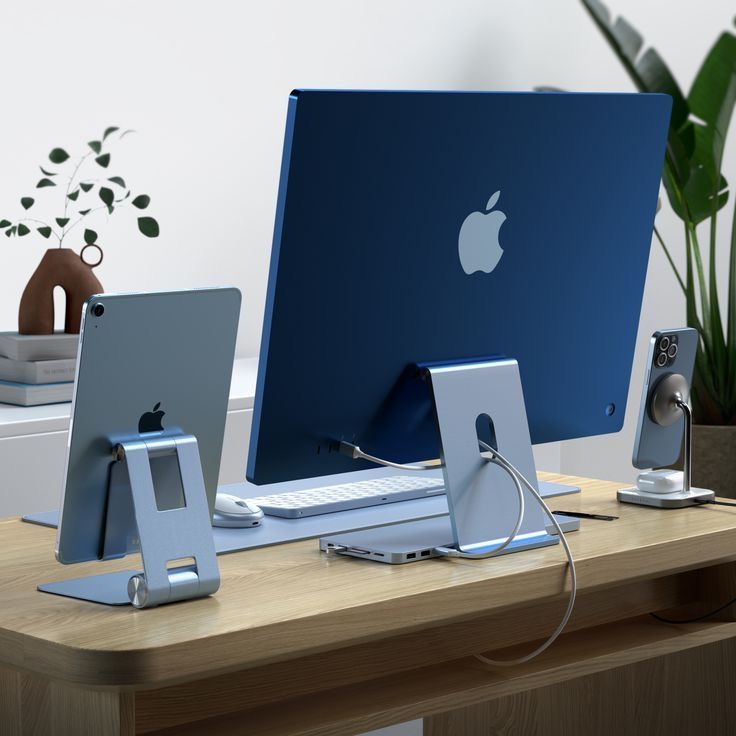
(149, 364)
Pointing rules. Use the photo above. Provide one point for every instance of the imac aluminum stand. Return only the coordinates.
(164, 536)
(668, 404)
(480, 494)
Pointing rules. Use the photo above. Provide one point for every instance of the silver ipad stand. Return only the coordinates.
(164, 536)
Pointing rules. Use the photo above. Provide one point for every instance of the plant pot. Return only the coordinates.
(59, 267)
(714, 458)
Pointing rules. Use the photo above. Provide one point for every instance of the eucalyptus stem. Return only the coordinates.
(78, 187)
(40, 222)
(68, 189)
(94, 209)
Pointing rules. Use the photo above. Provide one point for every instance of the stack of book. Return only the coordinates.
(37, 369)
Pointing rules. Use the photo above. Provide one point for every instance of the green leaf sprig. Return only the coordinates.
(83, 195)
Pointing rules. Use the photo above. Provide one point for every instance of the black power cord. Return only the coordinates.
(700, 502)
(703, 501)
(697, 618)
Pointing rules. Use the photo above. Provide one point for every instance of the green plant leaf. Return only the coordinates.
(5, 223)
(62, 221)
(58, 156)
(11, 230)
(658, 78)
(648, 72)
(85, 186)
(73, 195)
(96, 146)
(45, 231)
(90, 237)
(117, 180)
(23, 230)
(699, 195)
(106, 195)
(109, 130)
(84, 212)
(713, 94)
(45, 183)
(110, 209)
(148, 226)
(27, 202)
(711, 99)
(47, 173)
(141, 201)
(103, 160)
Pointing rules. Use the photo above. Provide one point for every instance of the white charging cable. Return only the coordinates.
(353, 451)
(452, 552)
(516, 473)
(518, 477)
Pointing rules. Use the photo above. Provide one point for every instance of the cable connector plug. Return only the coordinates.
(352, 451)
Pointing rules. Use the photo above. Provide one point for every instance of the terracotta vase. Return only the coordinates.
(714, 458)
(59, 267)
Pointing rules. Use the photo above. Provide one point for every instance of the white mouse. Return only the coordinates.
(233, 511)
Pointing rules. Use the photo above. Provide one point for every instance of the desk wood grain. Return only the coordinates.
(297, 623)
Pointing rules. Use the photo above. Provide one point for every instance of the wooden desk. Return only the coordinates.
(295, 643)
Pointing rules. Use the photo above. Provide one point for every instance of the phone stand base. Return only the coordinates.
(674, 500)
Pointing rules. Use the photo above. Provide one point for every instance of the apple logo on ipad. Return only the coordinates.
(478, 245)
(151, 420)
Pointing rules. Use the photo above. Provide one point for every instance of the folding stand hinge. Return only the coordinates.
(164, 535)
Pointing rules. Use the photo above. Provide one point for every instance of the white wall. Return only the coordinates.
(206, 85)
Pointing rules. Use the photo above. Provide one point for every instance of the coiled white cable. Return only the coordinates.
(451, 552)
(356, 453)
(518, 477)
(515, 472)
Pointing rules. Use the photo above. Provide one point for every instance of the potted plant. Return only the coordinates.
(83, 187)
(697, 192)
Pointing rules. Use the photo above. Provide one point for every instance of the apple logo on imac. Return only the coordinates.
(151, 420)
(477, 243)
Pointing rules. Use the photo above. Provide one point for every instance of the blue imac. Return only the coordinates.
(417, 230)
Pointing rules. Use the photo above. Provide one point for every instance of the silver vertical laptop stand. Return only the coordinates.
(480, 494)
(164, 536)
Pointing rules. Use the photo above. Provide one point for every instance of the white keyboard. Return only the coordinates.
(326, 500)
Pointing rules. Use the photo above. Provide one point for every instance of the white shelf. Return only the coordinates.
(16, 421)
